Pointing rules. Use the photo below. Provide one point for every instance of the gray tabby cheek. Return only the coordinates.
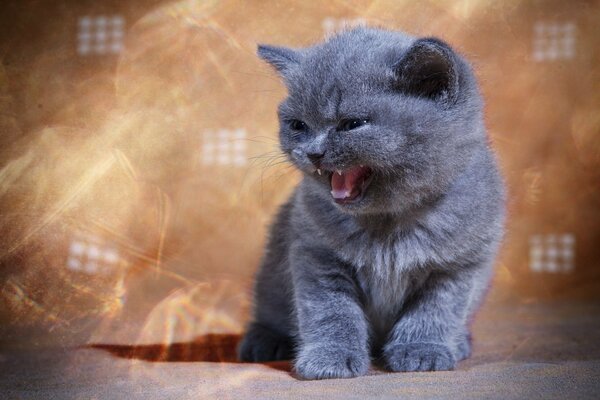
(299, 157)
(391, 146)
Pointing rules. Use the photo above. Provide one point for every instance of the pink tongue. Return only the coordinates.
(346, 185)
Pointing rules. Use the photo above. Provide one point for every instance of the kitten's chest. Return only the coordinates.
(384, 295)
(388, 273)
(387, 256)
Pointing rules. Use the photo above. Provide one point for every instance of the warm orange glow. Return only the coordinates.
(102, 166)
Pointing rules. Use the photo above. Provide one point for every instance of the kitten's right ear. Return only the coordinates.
(281, 58)
(429, 69)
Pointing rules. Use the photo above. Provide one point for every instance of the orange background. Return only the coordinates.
(109, 150)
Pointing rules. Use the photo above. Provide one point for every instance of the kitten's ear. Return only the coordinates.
(281, 58)
(428, 69)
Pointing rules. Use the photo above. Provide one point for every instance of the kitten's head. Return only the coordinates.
(378, 121)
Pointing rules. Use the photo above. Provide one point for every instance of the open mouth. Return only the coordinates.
(349, 186)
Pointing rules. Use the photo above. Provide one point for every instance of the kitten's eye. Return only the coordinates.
(297, 125)
(353, 123)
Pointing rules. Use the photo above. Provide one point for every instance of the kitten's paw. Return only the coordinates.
(327, 362)
(261, 344)
(408, 357)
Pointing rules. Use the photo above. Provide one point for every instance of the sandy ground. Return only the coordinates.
(521, 351)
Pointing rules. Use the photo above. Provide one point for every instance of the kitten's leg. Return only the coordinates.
(431, 333)
(270, 335)
(332, 327)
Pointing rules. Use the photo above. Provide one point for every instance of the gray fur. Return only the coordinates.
(396, 276)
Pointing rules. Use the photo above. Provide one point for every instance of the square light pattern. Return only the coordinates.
(554, 41)
(224, 147)
(91, 255)
(332, 25)
(100, 35)
(552, 253)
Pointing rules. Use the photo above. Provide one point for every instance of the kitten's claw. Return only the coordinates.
(319, 171)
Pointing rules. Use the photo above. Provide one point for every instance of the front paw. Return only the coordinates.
(406, 357)
(327, 362)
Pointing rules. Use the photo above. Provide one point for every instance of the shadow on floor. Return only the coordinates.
(218, 348)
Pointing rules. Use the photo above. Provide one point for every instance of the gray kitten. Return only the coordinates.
(386, 247)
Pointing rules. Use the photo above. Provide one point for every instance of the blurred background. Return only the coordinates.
(139, 165)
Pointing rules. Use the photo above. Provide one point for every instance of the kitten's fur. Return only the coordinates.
(395, 275)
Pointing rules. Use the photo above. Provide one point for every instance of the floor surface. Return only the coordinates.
(521, 351)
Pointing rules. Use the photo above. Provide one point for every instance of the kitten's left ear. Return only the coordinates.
(428, 69)
(283, 59)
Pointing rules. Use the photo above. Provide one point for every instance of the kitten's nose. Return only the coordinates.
(315, 158)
